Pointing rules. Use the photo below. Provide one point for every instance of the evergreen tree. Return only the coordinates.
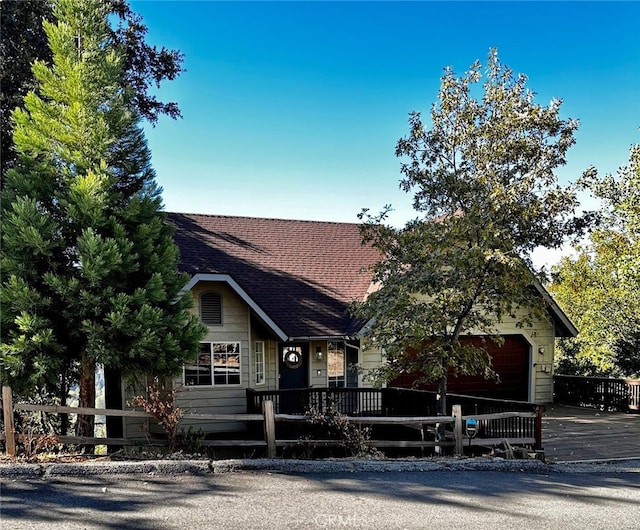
(23, 40)
(89, 266)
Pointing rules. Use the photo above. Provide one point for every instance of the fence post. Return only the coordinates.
(539, 410)
(9, 428)
(269, 428)
(456, 411)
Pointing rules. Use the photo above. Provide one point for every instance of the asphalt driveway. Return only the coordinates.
(574, 434)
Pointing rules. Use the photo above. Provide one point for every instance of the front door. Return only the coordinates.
(294, 366)
(294, 373)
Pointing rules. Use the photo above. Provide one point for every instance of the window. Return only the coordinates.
(342, 359)
(335, 364)
(211, 309)
(259, 360)
(217, 364)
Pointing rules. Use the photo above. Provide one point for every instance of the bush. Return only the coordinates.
(354, 438)
(160, 405)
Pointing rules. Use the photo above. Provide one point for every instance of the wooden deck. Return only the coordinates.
(574, 433)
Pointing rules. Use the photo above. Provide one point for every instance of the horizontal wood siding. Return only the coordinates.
(270, 361)
(235, 314)
(318, 369)
(221, 400)
(541, 334)
(370, 357)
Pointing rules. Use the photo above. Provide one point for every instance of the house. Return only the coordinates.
(274, 295)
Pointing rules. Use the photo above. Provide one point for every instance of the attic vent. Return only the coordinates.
(211, 309)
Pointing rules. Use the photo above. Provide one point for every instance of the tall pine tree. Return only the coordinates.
(89, 266)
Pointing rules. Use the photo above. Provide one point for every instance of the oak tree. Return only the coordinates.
(483, 183)
(600, 285)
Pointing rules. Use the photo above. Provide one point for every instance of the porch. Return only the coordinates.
(389, 401)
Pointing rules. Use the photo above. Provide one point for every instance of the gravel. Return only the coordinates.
(203, 467)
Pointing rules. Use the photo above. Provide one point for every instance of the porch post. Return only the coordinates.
(456, 412)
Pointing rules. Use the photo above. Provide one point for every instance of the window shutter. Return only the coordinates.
(211, 308)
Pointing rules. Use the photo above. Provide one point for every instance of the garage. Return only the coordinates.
(510, 361)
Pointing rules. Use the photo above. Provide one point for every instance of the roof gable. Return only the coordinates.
(302, 274)
(299, 277)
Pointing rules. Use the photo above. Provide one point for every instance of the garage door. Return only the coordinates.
(510, 361)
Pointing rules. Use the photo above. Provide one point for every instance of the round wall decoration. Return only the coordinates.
(292, 359)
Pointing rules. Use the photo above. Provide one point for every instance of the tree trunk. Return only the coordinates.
(85, 425)
(441, 409)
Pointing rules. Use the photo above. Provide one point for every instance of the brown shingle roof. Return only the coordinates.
(303, 274)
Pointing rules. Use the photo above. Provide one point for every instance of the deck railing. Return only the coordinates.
(350, 401)
(403, 402)
(597, 392)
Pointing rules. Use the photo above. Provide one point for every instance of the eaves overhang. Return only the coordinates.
(567, 327)
(564, 327)
(225, 278)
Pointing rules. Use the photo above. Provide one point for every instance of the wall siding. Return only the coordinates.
(540, 335)
(370, 358)
(236, 327)
(223, 399)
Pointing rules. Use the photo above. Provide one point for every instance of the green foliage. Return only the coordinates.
(484, 186)
(89, 266)
(190, 440)
(600, 286)
(24, 40)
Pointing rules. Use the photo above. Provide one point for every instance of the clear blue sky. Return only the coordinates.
(293, 109)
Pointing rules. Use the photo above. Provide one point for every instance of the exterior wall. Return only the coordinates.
(237, 327)
(137, 428)
(224, 399)
(541, 338)
(270, 364)
(370, 358)
(318, 376)
(318, 369)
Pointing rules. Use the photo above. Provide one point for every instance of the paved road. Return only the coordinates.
(458, 500)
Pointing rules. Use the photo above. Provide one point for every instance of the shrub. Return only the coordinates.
(160, 404)
(354, 438)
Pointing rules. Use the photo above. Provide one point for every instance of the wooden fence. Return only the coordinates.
(268, 417)
(404, 402)
(597, 392)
